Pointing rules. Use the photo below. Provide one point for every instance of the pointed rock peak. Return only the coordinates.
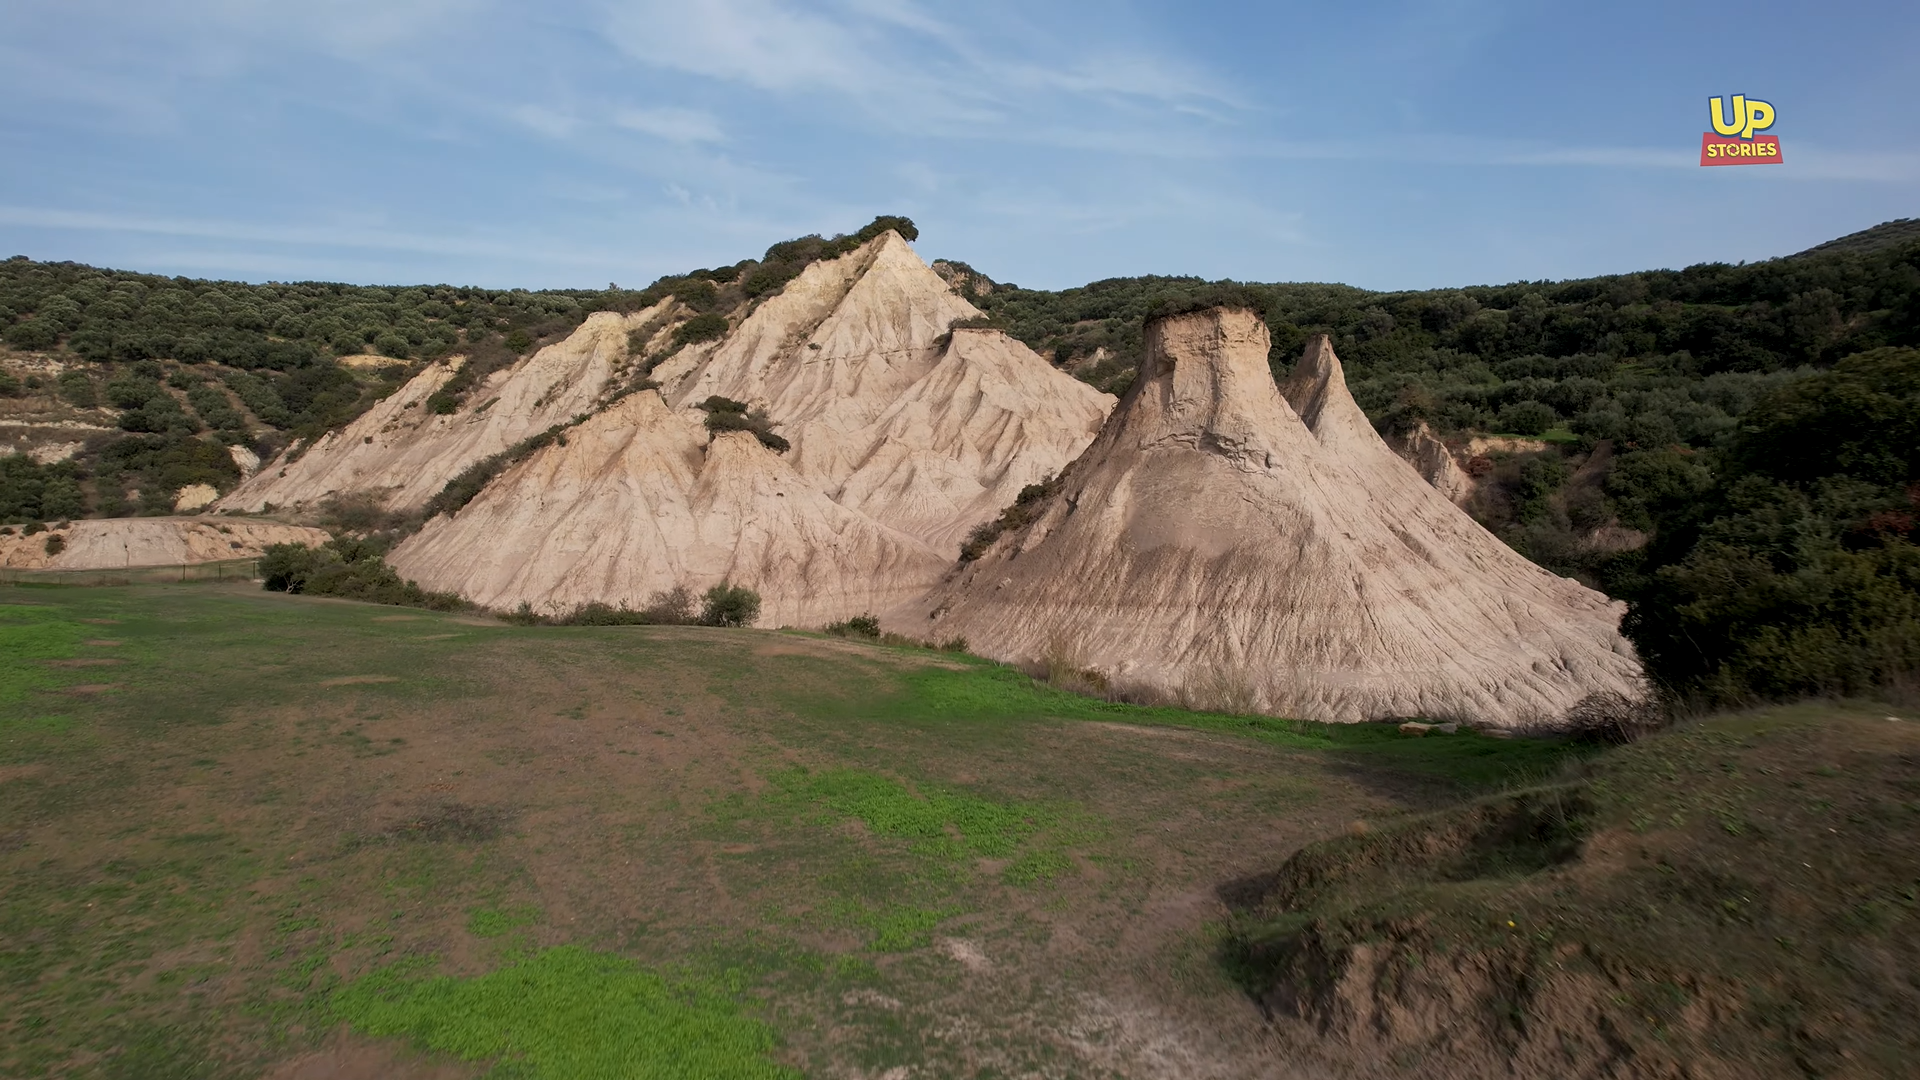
(1316, 378)
(1318, 392)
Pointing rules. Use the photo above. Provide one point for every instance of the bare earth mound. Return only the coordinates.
(1225, 544)
(114, 543)
(904, 435)
(637, 501)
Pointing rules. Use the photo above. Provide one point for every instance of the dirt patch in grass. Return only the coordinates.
(102, 642)
(85, 689)
(359, 680)
(448, 823)
(348, 1058)
(83, 661)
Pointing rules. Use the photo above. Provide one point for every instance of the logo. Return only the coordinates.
(1733, 140)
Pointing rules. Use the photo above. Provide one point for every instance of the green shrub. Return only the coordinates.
(32, 334)
(1527, 418)
(260, 398)
(698, 294)
(215, 409)
(77, 390)
(349, 569)
(730, 605)
(30, 491)
(770, 278)
(394, 345)
(866, 626)
(726, 414)
(9, 386)
(710, 326)
(672, 607)
(519, 341)
(55, 544)
(1026, 506)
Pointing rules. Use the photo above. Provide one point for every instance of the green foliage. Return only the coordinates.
(1526, 418)
(215, 409)
(1223, 294)
(77, 390)
(10, 386)
(32, 334)
(1651, 358)
(1786, 564)
(260, 398)
(711, 326)
(726, 414)
(567, 1013)
(1862, 419)
(730, 605)
(349, 569)
(160, 465)
(55, 544)
(30, 491)
(866, 626)
(1026, 506)
(669, 607)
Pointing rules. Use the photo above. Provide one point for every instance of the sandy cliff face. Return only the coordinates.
(638, 500)
(905, 435)
(114, 543)
(1234, 544)
(924, 429)
(401, 453)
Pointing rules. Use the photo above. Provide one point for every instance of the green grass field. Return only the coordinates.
(245, 834)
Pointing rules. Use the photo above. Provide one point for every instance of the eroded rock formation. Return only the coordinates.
(1231, 543)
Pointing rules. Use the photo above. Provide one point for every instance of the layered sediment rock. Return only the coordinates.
(904, 433)
(1235, 544)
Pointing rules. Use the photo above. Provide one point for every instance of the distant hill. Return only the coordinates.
(1887, 234)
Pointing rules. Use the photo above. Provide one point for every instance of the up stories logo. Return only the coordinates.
(1736, 142)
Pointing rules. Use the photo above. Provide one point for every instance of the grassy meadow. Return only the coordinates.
(246, 834)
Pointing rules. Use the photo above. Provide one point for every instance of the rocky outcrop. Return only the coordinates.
(1434, 461)
(904, 434)
(117, 543)
(1229, 542)
(923, 428)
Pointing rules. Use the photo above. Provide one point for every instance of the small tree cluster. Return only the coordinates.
(1026, 506)
(349, 569)
(726, 414)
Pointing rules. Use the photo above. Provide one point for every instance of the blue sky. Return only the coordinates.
(1383, 144)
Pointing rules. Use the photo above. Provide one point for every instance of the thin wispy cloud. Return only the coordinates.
(895, 63)
(671, 124)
